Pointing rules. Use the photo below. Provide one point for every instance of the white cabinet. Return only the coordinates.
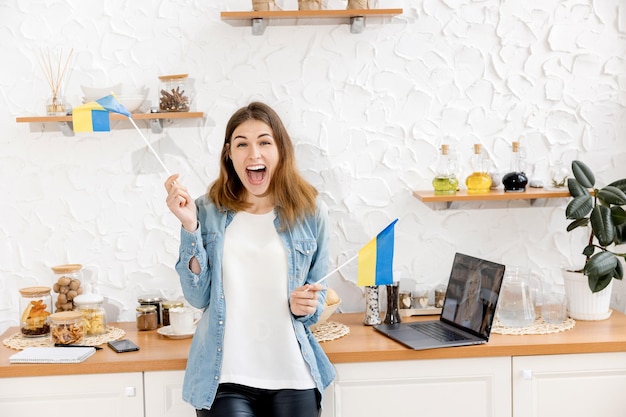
(101, 395)
(164, 395)
(569, 385)
(444, 387)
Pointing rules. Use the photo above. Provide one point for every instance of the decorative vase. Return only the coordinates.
(582, 304)
(372, 306)
(392, 315)
(359, 4)
(309, 4)
(55, 106)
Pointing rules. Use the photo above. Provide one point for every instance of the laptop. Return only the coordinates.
(467, 313)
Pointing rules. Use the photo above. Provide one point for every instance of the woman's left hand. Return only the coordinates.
(303, 300)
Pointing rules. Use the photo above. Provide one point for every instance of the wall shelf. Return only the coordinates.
(155, 119)
(531, 194)
(259, 19)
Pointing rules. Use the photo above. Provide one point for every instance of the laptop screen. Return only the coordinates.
(472, 294)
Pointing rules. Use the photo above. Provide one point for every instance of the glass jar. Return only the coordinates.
(67, 328)
(165, 307)
(67, 285)
(175, 93)
(36, 307)
(152, 300)
(147, 317)
(92, 310)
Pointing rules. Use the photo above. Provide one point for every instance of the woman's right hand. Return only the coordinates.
(180, 203)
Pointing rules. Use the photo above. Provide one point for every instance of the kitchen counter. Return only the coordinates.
(362, 344)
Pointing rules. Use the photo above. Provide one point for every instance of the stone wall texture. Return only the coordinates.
(367, 113)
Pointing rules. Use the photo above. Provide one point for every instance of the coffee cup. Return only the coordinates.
(182, 320)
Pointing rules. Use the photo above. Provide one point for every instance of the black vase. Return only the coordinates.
(392, 316)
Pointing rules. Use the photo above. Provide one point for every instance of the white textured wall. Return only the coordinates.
(367, 113)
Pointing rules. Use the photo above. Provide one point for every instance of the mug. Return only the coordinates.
(182, 320)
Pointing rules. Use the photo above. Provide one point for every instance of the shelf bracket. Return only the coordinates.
(258, 26)
(357, 24)
(156, 125)
(67, 128)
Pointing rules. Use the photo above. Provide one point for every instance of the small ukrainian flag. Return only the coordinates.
(376, 259)
(94, 116)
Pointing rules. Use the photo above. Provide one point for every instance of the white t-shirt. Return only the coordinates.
(260, 345)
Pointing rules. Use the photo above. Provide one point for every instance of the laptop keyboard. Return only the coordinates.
(434, 330)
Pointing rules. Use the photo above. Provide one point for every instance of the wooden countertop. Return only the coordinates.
(362, 344)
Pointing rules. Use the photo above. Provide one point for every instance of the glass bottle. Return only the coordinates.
(479, 181)
(558, 176)
(392, 315)
(445, 181)
(515, 181)
(36, 307)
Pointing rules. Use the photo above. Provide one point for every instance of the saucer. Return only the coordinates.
(167, 332)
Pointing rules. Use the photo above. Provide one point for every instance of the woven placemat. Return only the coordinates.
(19, 342)
(538, 327)
(330, 330)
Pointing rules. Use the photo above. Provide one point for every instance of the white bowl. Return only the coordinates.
(326, 313)
(100, 92)
(132, 103)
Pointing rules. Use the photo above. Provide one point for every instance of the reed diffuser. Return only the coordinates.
(55, 68)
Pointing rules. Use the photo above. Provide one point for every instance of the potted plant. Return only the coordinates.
(602, 211)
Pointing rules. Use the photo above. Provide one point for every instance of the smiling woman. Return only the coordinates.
(252, 250)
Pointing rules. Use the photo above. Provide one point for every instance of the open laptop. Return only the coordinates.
(468, 309)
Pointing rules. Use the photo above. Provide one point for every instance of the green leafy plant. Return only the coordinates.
(602, 210)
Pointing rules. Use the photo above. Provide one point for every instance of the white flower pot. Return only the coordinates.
(582, 304)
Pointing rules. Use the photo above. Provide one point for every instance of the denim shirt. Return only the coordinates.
(306, 244)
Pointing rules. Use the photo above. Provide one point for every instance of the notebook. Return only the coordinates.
(468, 309)
(52, 355)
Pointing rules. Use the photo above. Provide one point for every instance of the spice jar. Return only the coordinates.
(92, 310)
(147, 317)
(67, 285)
(165, 307)
(36, 307)
(152, 300)
(175, 93)
(67, 328)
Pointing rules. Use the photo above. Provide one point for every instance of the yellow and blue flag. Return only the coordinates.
(94, 116)
(376, 259)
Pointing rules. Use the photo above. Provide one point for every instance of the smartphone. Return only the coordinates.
(123, 345)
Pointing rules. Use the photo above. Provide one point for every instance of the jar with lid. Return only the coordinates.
(174, 93)
(67, 328)
(147, 317)
(92, 310)
(152, 300)
(67, 285)
(36, 307)
(166, 306)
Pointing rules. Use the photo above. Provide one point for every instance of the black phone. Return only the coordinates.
(123, 345)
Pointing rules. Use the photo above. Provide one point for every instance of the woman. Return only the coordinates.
(251, 250)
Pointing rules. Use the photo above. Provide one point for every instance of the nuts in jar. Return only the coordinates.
(93, 313)
(67, 286)
(66, 327)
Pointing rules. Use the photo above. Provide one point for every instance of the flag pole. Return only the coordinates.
(150, 147)
(335, 270)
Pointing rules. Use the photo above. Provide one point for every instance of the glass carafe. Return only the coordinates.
(515, 306)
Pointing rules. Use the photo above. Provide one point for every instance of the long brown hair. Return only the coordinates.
(294, 197)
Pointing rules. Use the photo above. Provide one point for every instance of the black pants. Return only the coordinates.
(234, 400)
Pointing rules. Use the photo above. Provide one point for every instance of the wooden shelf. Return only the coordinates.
(530, 194)
(114, 116)
(155, 120)
(259, 19)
